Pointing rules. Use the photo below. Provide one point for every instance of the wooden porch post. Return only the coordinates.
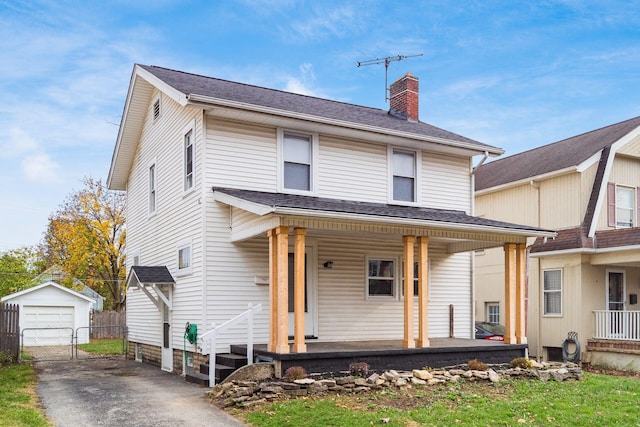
(282, 260)
(299, 345)
(409, 340)
(510, 292)
(273, 301)
(521, 260)
(423, 291)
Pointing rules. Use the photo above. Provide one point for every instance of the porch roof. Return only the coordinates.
(263, 203)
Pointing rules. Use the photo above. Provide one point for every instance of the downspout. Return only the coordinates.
(536, 186)
(203, 206)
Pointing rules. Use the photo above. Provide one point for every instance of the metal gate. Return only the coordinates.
(50, 344)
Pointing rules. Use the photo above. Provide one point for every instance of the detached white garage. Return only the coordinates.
(50, 314)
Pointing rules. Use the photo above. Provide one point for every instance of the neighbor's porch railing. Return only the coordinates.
(216, 329)
(617, 324)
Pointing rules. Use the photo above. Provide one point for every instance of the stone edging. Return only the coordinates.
(248, 393)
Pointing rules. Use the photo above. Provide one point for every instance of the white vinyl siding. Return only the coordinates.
(552, 292)
(178, 217)
(446, 182)
(241, 156)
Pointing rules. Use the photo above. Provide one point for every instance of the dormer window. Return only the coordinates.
(298, 151)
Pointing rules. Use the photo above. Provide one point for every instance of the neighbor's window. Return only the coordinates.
(184, 258)
(152, 189)
(493, 312)
(404, 176)
(188, 160)
(297, 155)
(624, 206)
(380, 278)
(552, 290)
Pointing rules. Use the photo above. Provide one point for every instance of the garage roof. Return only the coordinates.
(44, 285)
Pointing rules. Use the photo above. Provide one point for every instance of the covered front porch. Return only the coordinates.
(428, 243)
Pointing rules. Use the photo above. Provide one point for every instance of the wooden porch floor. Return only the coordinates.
(334, 357)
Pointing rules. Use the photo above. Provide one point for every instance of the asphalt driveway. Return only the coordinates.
(119, 392)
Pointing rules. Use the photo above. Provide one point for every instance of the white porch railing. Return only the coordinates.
(216, 329)
(617, 324)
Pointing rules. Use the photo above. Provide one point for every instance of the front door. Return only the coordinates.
(615, 303)
(309, 294)
(167, 351)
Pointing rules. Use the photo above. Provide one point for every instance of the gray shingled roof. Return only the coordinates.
(158, 275)
(367, 208)
(553, 157)
(302, 104)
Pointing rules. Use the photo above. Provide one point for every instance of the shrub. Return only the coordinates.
(295, 373)
(5, 358)
(476, 365)
(359, 369)
(521, 362)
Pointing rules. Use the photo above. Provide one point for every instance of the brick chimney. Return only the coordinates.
(403, 97)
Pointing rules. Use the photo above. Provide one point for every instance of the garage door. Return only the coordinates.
(47, 325)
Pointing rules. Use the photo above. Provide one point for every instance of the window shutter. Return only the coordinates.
(611, 204)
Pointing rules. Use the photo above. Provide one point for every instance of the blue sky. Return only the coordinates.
(514, 74)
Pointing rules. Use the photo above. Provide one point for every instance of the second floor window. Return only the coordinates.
(188, 160)
(624, 206)
(152, 189)
(297, 157)
(404, 176)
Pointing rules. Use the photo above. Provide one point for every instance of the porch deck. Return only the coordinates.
(335, 357)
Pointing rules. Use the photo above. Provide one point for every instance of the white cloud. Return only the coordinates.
(39, 167)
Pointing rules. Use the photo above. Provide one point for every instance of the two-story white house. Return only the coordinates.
(313, 208)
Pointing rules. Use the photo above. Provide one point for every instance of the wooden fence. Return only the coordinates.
(108, 324)
(10, 330)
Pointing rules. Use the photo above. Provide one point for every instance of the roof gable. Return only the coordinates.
(200, 91)
(45, 285)
(558, 156)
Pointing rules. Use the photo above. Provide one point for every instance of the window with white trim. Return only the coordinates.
(625, 201)
(188, 160)
(492, 312)
(184, 258)
(381, 278)
(152, 189)
(404, 167)
(297, 151)
(552, 292)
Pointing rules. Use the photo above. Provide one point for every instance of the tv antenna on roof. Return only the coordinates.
(386, 61)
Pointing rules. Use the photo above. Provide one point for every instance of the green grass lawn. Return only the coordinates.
(103, 346)
(18, 400)
(597, 400)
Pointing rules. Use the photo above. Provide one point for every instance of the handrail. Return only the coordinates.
(617, 324)
(215, 329)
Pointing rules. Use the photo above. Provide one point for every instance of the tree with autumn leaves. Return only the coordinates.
(86, 238)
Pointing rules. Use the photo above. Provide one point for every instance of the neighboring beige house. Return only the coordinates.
(587, 279)
(313, 208)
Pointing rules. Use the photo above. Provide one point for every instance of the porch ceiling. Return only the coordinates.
(462, 232)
